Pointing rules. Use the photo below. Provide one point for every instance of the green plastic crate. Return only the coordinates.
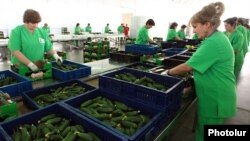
(8, 110)
(25, 71)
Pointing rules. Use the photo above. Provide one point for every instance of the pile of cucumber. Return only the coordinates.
(7, 81)
(145, 81)
(53, 128)
(115, 114)
(61, 93)
(142, 68)
(66, 67)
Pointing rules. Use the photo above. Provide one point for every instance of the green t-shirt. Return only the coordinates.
(195, 36)
(226, 33)
(46, 29)
(31, 45)
(88, 29)
(236, 40)
(243, 30)
(106, 29)
(120, 29)
(77, 30)
(248, 32)
(171, 34)
(213, 71)
(142, 36)
(181, 34)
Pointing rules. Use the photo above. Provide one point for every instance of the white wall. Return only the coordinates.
(180, 11)
(59, 13)
(66, 13)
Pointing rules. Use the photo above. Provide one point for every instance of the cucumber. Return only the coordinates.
(128, 124)
(121, 106)
(132, 131)
(50, 126)
(45, 118)
(93, 111)
(160, 86)
(110, 104)
(105, 109)
(79, 128)
(86, 110)
(70, 137)
(54, 120)
(64, 132)
(147, 79)
(94, 105)
(110, 123)
(45, 130)
(132, 113)
(117, 119)
(120, 129)
(85, 136)
(117, 112)
(133, 119)
(33, 131)
(39, 132)
(16, 136)
(131, 77)
(25, 134)
(94, 136)
(64, 124)
(55, 137)
(86, 103)
(144, 118)
(101, 116)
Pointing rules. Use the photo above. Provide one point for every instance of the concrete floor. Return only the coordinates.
(183, 129)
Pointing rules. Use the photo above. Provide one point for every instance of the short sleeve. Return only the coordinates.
(237, 42)
(15, 40)
(204, 58)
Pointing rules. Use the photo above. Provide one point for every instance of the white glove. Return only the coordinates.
(165, 72)
(57, 57)
(33, 67)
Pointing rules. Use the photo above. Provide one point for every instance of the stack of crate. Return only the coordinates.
(130, 40)
(1, 35)
(64, 30)
(96, 51)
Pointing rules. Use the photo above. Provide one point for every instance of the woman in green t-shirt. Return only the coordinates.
(78, 29)
(236, 38)
(107, 29)
(28, 42)
(88, 28)
(244, 31)
(181, 33)
(172, 34)
(46, 28)
(213, 70)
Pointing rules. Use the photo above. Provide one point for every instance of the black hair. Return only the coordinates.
(231, 21)
(173, 25)
(150, 22)
(183, 26)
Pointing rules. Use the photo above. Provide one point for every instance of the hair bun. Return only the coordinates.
(219, 7)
